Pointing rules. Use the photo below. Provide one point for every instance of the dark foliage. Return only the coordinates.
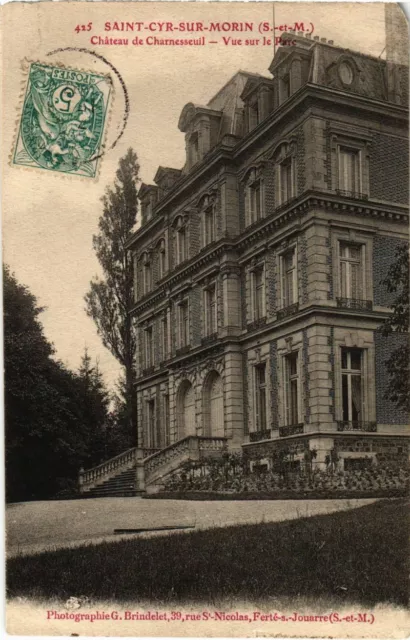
(398, 365)
(109, 298)
(360, 555)
(55, 419)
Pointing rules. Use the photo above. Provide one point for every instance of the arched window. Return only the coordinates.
(186, 410)
(284, 158)
(213, 408)
(181, 248)
(207, 207)
(254, 200)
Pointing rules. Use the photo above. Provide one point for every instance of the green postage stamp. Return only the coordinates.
(63, 120)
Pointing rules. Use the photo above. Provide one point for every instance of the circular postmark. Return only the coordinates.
(65, 97)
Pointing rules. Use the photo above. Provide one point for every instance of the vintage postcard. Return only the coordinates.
(206, 313)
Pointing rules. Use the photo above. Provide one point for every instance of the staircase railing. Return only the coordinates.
(106, 470)
(170, 458)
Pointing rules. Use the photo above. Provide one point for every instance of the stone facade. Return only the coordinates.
(258, 266)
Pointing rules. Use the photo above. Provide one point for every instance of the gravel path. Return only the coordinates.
(33, 527)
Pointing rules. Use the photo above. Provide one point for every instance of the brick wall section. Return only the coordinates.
(303, 269)
(318, 369)
(329, 263)
(387, 449)
(389, 178)
(271, 283)
(317, 254)
(384, 255)
(243, 296)
(300, 161)
(327, 162)
(331, 373)
(245, 393)
(305, 376)
(273, 359)
(241, 206)
(269, 189)
(156, 335)
(194, 234)
(315, 155)
(386, 411)
(229, 206)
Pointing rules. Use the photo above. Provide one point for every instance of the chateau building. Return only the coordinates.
(259, 264)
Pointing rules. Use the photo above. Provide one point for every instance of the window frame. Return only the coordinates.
(209, 233)
(348, 373)
(290, 378)
(258, 304)
(211, 318)
(288, 163)
(356, 153)
(284, 303)
(183, 321)
(347, 274)
(254, 204)
(260, 391)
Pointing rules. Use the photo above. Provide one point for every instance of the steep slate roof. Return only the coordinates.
(229, 102)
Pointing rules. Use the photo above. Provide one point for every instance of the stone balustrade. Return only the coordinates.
(91, 477)
(189, 448)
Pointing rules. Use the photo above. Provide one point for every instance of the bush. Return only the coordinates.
(231, 474)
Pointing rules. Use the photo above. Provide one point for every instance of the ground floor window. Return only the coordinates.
(352, 385)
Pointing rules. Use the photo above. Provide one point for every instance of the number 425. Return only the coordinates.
(83, 27)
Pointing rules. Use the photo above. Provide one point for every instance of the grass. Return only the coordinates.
(360, 555)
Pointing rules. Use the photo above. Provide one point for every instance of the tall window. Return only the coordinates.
(183, 323)
(258, 277)
(349, 170)
(209, 222)
(254, 202)
(352, 385)
(152, 431)
(181, 244)
(289, 278)
(162, 259)
(292, 389)
(260, 396)
(164, 337)
(210, 310)
(351, 271)
(149, 347)
(286, 180)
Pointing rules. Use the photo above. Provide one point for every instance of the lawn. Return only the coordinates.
(361, 555)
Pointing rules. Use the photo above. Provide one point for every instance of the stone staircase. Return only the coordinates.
(122, 485)
(138, 470)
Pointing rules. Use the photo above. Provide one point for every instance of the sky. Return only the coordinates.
(48, 219)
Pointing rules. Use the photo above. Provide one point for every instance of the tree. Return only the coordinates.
(56, 420)
(109, 298)
(398, 367)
